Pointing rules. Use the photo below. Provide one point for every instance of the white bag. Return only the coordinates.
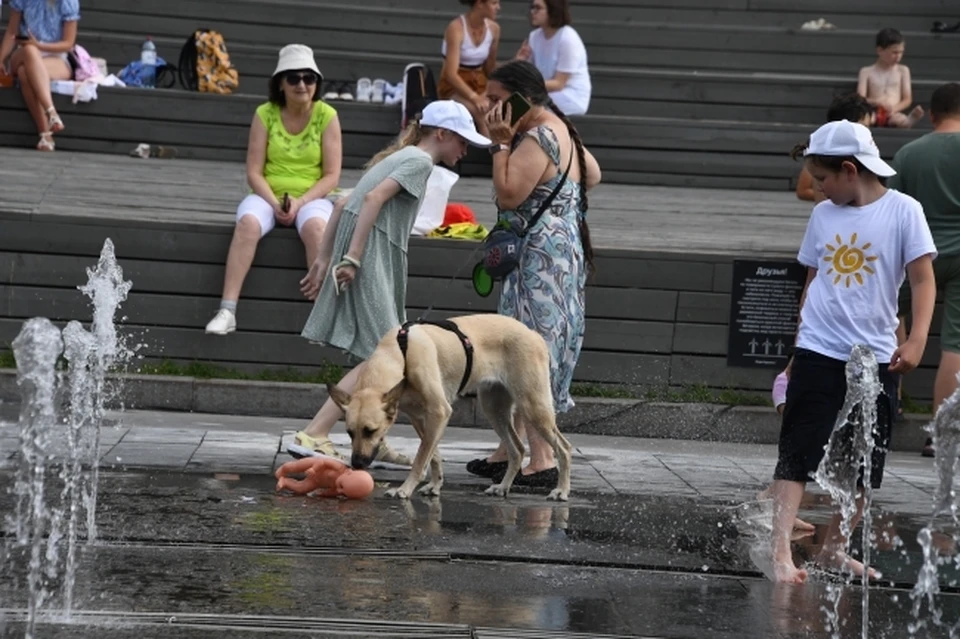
(435, 199)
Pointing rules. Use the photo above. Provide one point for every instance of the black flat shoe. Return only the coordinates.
(544, 479)
(483, 468)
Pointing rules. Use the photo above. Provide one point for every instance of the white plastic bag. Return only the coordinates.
(434, 203)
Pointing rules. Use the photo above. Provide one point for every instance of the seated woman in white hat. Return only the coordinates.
(294, 157)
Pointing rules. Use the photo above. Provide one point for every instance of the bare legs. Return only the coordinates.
(35, 73)
(786, 503)
(906, 120)
(541, 453)
(329, 414)
(243, 248)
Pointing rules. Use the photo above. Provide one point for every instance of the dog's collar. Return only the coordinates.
(404, 333)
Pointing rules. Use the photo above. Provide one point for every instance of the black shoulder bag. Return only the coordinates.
(501, 247)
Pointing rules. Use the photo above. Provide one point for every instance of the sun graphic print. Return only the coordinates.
(848, 261)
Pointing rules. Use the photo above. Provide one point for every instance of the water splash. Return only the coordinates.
(848, 460)
(945, 430)
(71, 442)
(37, 349)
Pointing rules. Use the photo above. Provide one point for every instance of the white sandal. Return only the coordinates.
(46, 142)
(53, 119)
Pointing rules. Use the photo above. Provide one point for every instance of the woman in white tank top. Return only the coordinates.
(470, 54)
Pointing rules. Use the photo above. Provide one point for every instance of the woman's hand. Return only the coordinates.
(284, 218)
(498, 124)
(311, 283)
(525, 52)
(345, 274)
(481, 103)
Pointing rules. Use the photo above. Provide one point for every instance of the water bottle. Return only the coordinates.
(148, 58)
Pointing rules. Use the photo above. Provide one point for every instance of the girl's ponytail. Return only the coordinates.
(410, 136)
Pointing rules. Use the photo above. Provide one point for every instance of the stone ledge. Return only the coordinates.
(591, 415)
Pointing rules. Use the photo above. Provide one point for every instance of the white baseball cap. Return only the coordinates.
(297, 57)
(845, 138)
(453, 116)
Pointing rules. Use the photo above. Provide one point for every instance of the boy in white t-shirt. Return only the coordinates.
(555, 48)
(858, 244)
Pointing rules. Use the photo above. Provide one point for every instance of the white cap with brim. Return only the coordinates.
(297, 57)
(453, 116)
(844, 138)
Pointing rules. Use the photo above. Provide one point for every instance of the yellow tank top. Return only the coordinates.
(294, 163)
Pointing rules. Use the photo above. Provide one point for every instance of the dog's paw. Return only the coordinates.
(398, 493)
(497, 490)
(558, 495)
(431, 490)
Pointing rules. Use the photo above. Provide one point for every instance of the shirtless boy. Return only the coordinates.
(886, 83)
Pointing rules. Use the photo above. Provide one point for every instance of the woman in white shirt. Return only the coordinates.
(555, 48)
(469, 56)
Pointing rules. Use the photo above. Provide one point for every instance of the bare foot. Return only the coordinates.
(786, 573)
(843, 562)
(915, 115)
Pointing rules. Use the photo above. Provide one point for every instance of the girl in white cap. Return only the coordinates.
(859, 243)
(293, 162)
(364, 295)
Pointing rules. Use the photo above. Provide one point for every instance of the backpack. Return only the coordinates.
(419, 90)
(205, 65)
(84, 67)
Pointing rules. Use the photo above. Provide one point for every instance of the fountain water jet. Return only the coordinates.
(945, 430)
(848, 460)
(39, 517)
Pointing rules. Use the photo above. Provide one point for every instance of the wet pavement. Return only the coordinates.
(655, 542)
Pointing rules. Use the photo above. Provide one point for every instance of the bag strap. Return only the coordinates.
(550, 198)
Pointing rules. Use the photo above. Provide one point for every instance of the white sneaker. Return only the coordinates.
(223, 322)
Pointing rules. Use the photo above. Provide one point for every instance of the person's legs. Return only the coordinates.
(311, 221)
(38, 70)
(786, 503)
(905, 120)
(566, 104)
(833, 554)
(329, 414)
(19, 70)
(254, 220)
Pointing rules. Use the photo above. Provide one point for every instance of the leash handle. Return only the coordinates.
(468, 261)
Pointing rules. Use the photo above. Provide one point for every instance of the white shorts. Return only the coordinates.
(258, 207)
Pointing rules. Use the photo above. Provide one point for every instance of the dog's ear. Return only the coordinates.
(391, 399)
(339, 397)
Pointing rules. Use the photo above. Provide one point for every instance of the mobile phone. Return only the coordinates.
(518, 107)
(21, 38)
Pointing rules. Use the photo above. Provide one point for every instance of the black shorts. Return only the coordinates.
(815, 396)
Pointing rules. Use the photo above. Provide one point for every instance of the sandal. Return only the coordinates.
(56, 124)
(46, 142)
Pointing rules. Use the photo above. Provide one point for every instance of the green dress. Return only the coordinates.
(375, 301)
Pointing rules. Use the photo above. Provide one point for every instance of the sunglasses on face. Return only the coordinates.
(308, 79)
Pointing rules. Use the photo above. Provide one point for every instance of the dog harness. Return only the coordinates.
(404, 333)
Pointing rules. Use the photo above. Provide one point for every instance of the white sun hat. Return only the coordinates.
(297, 57)
(844, 138)
(453, 116)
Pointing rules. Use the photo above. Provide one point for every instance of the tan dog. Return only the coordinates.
(510, 374)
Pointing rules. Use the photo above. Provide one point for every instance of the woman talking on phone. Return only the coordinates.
(533, 153)
(34, 50)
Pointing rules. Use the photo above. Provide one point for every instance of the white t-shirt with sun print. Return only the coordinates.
(860, 254)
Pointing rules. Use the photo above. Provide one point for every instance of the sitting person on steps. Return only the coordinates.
(34, 50)
(293, 162)
(469, 55)
(886, 84)
(555, 48)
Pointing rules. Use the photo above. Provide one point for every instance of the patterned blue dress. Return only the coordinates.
(546, 292)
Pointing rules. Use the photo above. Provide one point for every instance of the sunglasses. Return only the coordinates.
(308, 79)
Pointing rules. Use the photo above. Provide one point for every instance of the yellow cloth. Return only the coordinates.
(460, 231)
(294, 163)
